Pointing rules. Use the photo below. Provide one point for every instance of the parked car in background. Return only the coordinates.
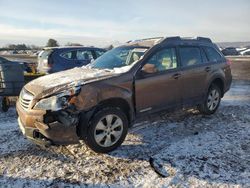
(245, 52)
(98, 103)
(230, 51)
(56, 59)
(240, 49)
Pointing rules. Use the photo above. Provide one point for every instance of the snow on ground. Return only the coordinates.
(180, 149)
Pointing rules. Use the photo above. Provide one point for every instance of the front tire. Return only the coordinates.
(212, 100)
(107, 130)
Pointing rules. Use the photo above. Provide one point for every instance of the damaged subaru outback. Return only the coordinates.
(97, 103)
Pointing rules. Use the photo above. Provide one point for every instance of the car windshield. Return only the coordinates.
(118, 57)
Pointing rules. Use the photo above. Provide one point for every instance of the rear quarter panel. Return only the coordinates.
(220, 71)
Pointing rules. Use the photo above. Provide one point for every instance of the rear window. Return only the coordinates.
(212, 54)
(190, 56)
(44, 54)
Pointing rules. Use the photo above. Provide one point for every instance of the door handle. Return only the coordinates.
(207, 69)
(176, 76)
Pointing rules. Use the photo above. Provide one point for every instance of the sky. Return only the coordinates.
(101, 22)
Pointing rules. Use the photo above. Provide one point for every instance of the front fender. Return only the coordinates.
(92, 94)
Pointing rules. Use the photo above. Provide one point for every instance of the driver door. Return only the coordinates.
(157, 83)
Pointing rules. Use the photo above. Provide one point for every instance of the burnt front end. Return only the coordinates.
(43, 125)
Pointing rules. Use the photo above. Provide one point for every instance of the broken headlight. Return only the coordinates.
(57, 102)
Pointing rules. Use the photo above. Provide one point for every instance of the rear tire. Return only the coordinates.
(107, 130)
(212, 100)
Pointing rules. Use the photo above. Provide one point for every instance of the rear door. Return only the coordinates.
(66, 60)
(157, 82)
(194, 74)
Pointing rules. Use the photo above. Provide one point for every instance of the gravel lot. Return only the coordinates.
(180, 149)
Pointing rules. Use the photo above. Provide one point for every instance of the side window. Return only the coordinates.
(212, 54)
(204, 57)
(162, 60)
(84, 55)
(190, 56)
(99, 53)
(68, 55)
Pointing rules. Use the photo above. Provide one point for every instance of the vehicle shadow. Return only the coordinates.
(217, 150)
(188, 144)
(17, 182)
(158, 131)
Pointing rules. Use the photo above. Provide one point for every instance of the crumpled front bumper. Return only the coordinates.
(29, 133)
(32, 126)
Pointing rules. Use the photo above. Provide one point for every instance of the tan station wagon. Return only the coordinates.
(97, 103)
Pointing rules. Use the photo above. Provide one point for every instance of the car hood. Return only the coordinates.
(53, 83)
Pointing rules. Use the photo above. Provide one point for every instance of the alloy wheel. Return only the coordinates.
(213, 99)
(108, 130)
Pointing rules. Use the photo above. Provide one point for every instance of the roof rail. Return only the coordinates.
(137, 40)
(204, 39)
(172, 39)
(177, 38)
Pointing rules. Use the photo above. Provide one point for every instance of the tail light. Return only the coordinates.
(49, 65)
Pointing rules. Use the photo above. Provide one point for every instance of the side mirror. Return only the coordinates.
(149, 68)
